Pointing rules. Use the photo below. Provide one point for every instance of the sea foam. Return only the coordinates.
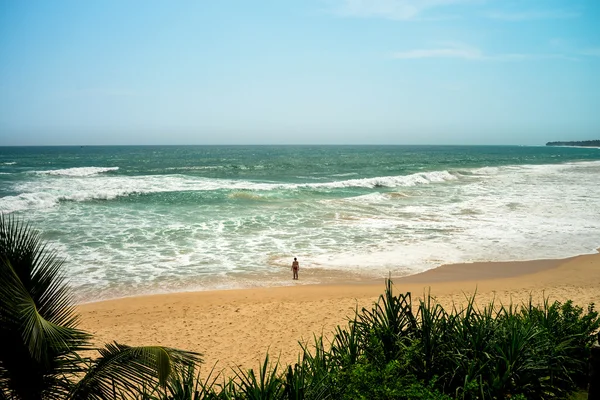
(74, 184)
(78, 172)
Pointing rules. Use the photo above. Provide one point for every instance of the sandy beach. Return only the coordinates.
(235, 328)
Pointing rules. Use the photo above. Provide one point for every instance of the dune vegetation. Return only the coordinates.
(394, 350)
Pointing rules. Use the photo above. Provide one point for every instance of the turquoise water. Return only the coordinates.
(149, 219)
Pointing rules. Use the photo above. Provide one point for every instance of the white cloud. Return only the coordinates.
(533, 15)
(466, 52)
(414, 9)
(530, 56)
(391, 9)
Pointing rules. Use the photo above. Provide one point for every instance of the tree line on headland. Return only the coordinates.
(582, 143)
(384, 352)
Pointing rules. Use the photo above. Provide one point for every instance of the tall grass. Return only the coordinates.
(496, 351)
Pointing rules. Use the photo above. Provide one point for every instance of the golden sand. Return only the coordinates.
(237, 327)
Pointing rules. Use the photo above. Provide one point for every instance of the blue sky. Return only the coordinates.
(296, 72)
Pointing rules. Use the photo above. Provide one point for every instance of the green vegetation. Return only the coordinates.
(582, 143)
(385, 352)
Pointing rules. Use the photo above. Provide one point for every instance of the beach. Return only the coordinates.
(236, 328)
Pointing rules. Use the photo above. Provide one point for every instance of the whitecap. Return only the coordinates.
(78, 171)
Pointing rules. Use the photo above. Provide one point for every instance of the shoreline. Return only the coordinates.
(463, 271)
(235, 328)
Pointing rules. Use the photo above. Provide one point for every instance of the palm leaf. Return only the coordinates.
(126, 370)
(39, 334)
(38, 325)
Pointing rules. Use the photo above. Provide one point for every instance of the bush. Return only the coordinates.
(368, 381)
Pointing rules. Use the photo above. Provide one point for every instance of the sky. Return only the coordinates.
(299, 72)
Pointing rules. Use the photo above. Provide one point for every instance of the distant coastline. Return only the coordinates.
(583, 143)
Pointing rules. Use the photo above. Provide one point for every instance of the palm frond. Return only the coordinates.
(39, 334)
(38, 325)
(38, 269)
(126, 370)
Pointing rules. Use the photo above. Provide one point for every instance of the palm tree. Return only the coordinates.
(40, 343)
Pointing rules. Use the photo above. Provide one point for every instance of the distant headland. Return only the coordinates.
(583, 143)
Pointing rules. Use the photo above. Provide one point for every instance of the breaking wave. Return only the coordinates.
(38, 194)
(78, 172)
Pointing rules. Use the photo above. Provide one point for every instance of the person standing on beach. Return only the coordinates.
(295, 268)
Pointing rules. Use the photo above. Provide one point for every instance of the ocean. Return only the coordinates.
(133, 220)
